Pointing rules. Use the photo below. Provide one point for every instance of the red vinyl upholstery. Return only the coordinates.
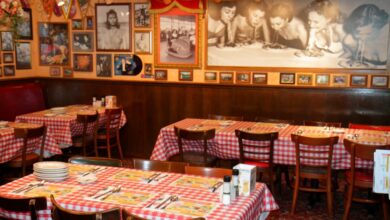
(369, 127)
(20, 99)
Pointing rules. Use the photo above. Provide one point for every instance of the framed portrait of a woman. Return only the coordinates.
(113, 27)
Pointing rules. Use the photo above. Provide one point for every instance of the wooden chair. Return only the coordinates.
(313, 161)
(225, 117)
(128, 216)
(59, 213)
(31, 205)
(195, 158)
(208, 171)
(163, 166)
(96, 161)
(85, 139)
(369, 127)
(28, 159)
(263, 148)
(322, 124)
(361, 178)
(109, 136)
(274, 120)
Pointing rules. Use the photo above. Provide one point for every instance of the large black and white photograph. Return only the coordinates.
(141, 15)
(337, 34)
(104, 65)
(113, 27)
(82, 42)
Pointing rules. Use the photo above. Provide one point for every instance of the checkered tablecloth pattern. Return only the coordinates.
(11, 147)
(64, 126)
(225, 143)
(244, 207)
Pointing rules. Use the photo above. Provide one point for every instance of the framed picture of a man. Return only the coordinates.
(141, 15)
(113, 27)
(103, 65)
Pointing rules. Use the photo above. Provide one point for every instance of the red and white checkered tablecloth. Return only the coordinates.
(11, 147)
(251, 207)
(64, 125)
(225, 144)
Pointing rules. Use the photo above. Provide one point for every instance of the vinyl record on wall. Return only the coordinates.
(139, 65)
(127, 65)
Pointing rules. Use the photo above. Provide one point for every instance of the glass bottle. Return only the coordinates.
(226, 199)
(235, 191)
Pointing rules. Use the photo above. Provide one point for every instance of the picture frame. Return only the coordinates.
(226, 77)
(243, 77)
(7, 41)
(141, 15)
(322, 79)
(55, 71)
(259, 78)
(77, 24)
(113, 32)
(82, 41)
(185, 75)
(174, 50)
(103, 65)
(53, 44)
(304, 79)
(340, 80)
(127, 65)
(379, 81)
(67, 72)
(358, 80)
(89, 23)
(160, 74)
(287, 78)
(9, 70)
(143, 42)
(148, 70)
(24, 29)
(82, 62)
(210, 76)
(8, 57)
(23, 55)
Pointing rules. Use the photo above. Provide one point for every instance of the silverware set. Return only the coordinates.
(214, 187)
(153, 177)
(94, 170)
(164, 204)
(29, 187)
(105, 195)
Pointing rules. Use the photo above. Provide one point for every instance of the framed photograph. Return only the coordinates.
(82, 41)
(67, 72)
(9, 70)
(210, 76)
(259, 78)
(322, 79)
(8, 57)
(24, 29)
(55, 71)
(160, 74)
(379, 81)
(77, 24)
(125, 65)
(358, 80)
(305, 79)
(185, 75)
(340, 79)
(53, 44)
(143, 42)
(82, 62)
(113, 27)
(226, 77)
(103, 65)
(23, 55)
(89, 23)
(287, 78)
(177, 39)
(148, 70)
(7, 41)
(141, 15)
(243, 77)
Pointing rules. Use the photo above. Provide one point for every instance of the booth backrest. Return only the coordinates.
(20, 99)
(369, 127)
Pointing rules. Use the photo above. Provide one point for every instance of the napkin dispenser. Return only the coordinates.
(110, 101)
(246, 178)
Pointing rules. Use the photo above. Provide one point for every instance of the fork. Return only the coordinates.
(34, 186)
(117, 189)
(172, 199)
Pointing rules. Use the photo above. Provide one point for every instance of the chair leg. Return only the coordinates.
(348, 203)
(118, 142)
(271, 180)
(295, 196)
(329, 194)
(108, 148)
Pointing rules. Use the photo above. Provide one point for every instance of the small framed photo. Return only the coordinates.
(259, 78)
(9, 70)
(340, 79)
(210, 76)
(243, 77)
(55, 71)
(89, 23)
(23, 55)
(160, 74)
(322, 79)
(24, 28)
(82, 62)
(185, 75)
(7, 41)
(226, 77)
(379, 81)
(141, 15)
(305, 79)
(287, 78)
(82, 42)
(67, 72)
(77, 24)
(148, 71)
(8, 57)
(143, 42)
(358, 80)
(103, 65)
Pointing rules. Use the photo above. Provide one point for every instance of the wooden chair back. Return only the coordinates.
(31, 205)
(369, 127)
(155, 165)
(88, 120)
(225, 117)
(208, 171)
(102, 161)
(128, 216)
(113, 120)
(59, 213)
(322, 124)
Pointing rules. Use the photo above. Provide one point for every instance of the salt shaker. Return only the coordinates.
(226, 190)
(235, 192)
(103, 103)
(93, 101)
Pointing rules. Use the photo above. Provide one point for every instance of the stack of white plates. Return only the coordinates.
(52, 171)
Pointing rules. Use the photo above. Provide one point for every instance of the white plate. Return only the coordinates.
(58, 109)
(50, 175)
(50, 165)
(53, 179)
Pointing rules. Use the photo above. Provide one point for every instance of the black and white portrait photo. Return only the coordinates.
(143, 42)
(141, 15)
(113, 27)
(7, 42)
(82, 42)
(103, 65)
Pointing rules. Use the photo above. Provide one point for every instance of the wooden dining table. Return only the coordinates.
(225, 144)
(134, 191)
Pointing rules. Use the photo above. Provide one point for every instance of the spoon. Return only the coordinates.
(172, 199)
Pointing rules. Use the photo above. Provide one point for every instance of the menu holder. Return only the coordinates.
(381, 172)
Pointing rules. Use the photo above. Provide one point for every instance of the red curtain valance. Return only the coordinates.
(191, 6)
